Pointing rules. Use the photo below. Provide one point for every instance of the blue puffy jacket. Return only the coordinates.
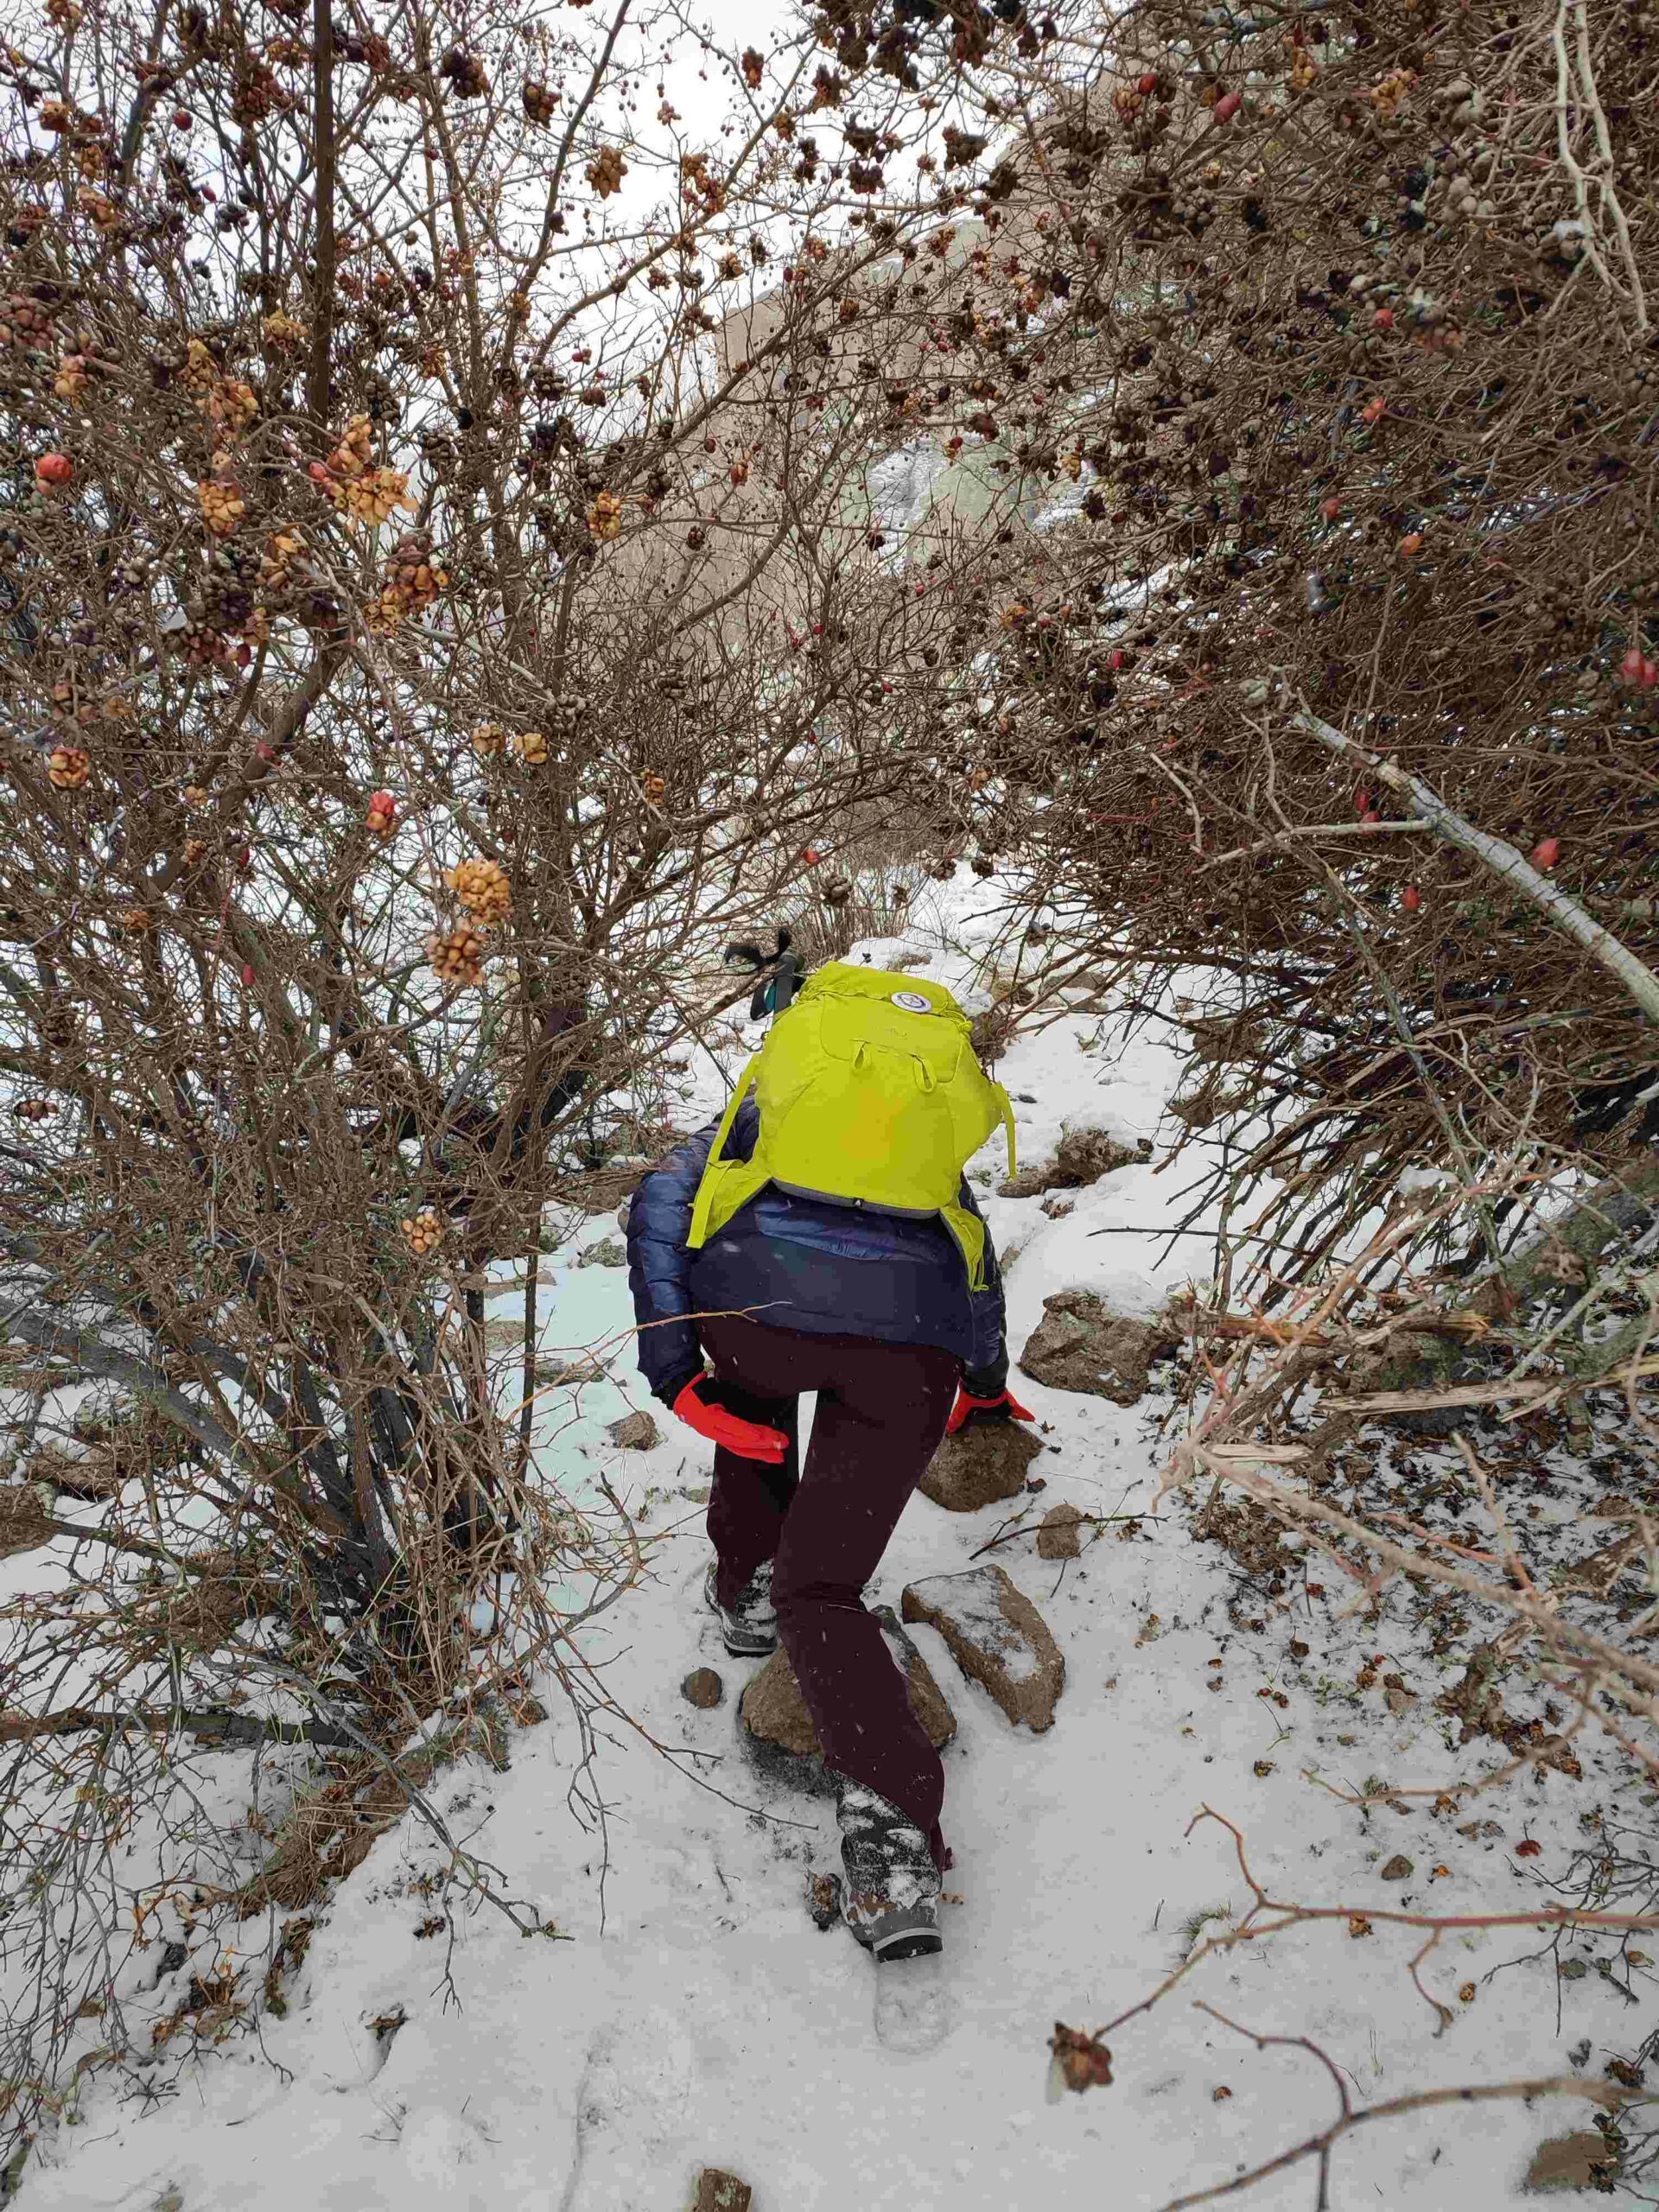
(802, 1264)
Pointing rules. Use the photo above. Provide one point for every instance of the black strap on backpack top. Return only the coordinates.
(779, 975)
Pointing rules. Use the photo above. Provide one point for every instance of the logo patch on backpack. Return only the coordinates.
(912, 1002)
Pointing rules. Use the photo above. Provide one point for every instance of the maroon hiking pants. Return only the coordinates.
(881, 1411)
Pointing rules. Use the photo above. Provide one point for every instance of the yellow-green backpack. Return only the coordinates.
(869, 1093)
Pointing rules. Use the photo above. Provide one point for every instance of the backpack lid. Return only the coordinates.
(911, 993)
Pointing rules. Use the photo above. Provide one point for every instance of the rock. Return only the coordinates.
(703, 1688)
(1080, 1344)
(22, 1520)
(718, 2191)
(982, 1462)
(94, 1474)
(607, 1252)
(776, 1729)
(997, 1638)
(635, 1432)
(1398, 1869)
(1581, 2161)
(558, 1372)
(1085, 1153)
(1059, 1533)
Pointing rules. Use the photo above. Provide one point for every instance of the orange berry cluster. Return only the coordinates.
(531, 748)
(423, 1232)
(282, 548)
(354, 484)
(605, 516)
(23, 321)
(68, 767)
(457, 955)
(482, 889)
(222, 506)
(412, 583)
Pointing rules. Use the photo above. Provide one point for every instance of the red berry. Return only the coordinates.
(1546, 852)
(1148, 83)
(1650, 675)
(1370, 816)
(1413, 899)
(247, 972)
(1383, 318)
(183, 119)
(1227, 106)
(1117, 659)
(243, 856)
(54, 468)
(811, 855)
(264, 752)
(1631, 666)
(382, 803)
(1331, 508)
(1362, 801)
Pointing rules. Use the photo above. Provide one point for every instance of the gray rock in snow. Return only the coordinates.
(635, 1432)
(719, 2191)
(776, 1729)
(1059, 1533)
(1081, 1344)
(982, 1463)
(997, 1638)
(1083, 1156)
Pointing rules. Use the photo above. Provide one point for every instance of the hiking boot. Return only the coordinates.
(889, 1898)
(750, 1625)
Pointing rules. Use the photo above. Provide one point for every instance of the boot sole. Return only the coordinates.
(911, 1943)
(912, 1934)
(749, 1650)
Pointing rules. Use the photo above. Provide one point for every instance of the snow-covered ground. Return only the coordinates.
(695, 2017)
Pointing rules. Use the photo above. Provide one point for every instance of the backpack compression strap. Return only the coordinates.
(699, 1234)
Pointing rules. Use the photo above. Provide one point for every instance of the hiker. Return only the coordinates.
(821, 1236)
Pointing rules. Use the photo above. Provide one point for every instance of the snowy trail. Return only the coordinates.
(711, 2023)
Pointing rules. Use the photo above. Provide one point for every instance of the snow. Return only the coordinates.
(692, 2015)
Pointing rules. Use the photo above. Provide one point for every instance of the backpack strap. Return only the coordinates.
(970, 1232)
(699, 1234)
(1007, 1105)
